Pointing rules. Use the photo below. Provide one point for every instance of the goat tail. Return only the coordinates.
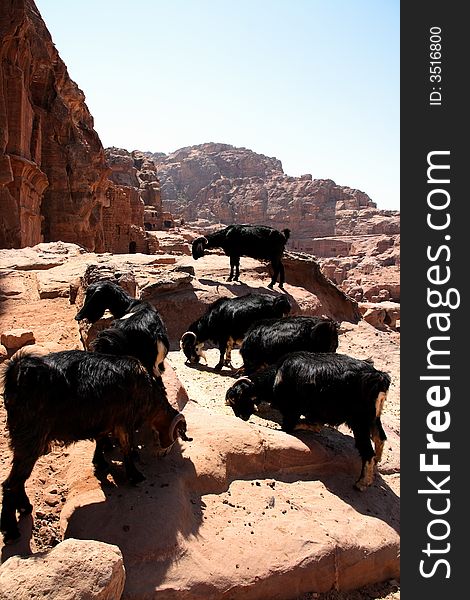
(286, 233)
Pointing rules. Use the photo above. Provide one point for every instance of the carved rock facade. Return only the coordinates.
(53, 175)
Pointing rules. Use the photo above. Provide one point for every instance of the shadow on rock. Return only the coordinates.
(227, 372)
(379, 500)
(240, 288)
(149, 522)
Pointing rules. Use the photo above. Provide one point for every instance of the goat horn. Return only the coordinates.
(243, 379)
(174, 433)
(188, 334)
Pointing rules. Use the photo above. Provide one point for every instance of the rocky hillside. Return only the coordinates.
(218, 183)
(53, 175)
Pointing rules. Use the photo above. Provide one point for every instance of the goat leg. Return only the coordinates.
(378, 437)
(99, 461)
(222, 350)
(364, 446)
(126, 444)
(282, 276)
(14, 495)
(237, 269)
(8, 523)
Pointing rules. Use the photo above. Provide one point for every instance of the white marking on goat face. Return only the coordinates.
(379, 403)
(278, 378)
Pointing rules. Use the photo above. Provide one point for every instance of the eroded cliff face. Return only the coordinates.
(136, 170)
(218, 183)
(53, 175)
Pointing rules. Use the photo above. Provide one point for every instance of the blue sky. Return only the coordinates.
(313, 82)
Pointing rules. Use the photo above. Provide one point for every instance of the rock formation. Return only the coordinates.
(79, 569)
(136, 170)
(53, 175)
(220, 184)
(365, 267)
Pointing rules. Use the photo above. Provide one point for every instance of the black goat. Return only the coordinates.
(247, 393)
(326, 388)
(226, 321)
(257, 241)
(73, 395)
(270, 339)
(137, 330)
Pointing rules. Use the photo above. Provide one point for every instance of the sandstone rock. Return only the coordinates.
(181, 299)
(78, 569)
(370, 272)
(138, 172)
(235, 491)
(53, 176)
(13, 339)
(367, 221)
(51, 150)
(237, 488)
(375, 316)
(40, 257)
(219, 183)
(172, 242)
(3, 353)
(382, 314)
(303, 271)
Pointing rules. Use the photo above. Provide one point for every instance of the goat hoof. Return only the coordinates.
(218, 367)
(270, 286)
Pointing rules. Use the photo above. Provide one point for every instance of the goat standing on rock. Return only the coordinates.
(257, 241)
(327, 389)
(137, 330)
(226, 321)
(67, 396)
